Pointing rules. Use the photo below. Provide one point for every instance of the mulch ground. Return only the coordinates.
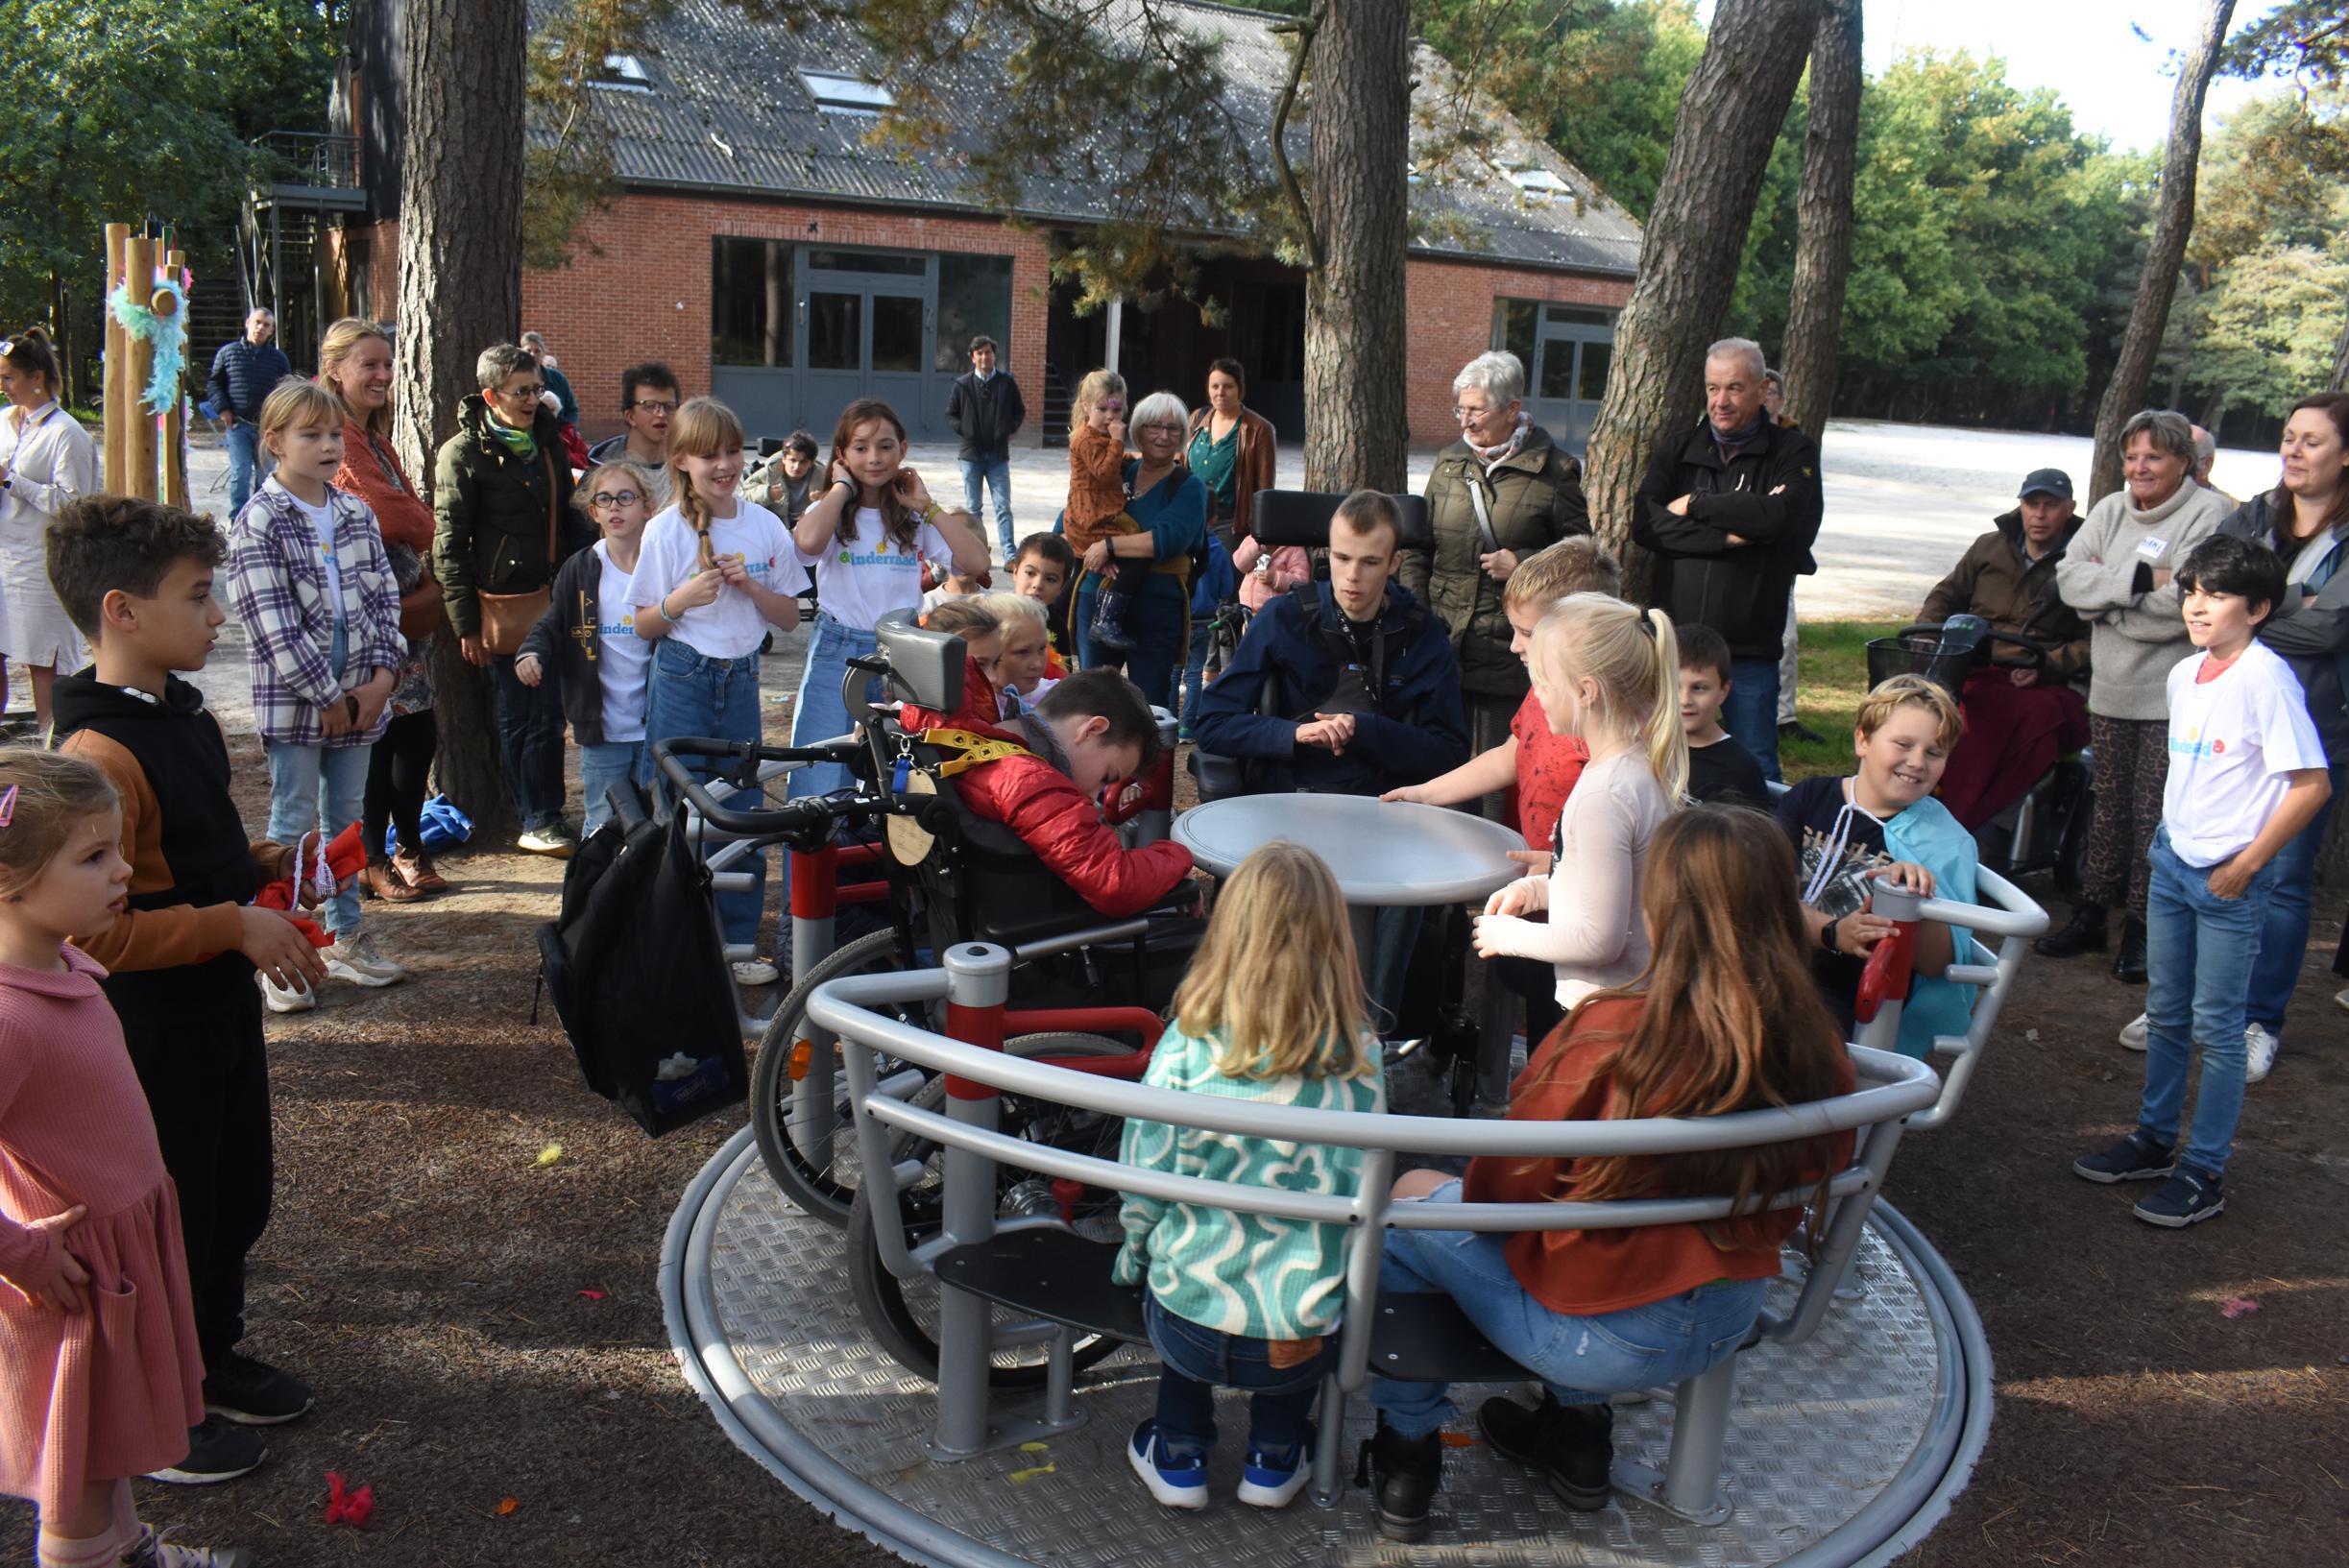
(485, 1333)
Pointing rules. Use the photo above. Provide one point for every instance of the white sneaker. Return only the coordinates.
(755, 972)
(2340, 998)
(2259, 1053)
(355, 959)
(295, 999)
(555, 840)
(2132, 1035)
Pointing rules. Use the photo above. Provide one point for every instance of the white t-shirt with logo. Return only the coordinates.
(322, 524)
(729, 626)
(622, 657)
(858, 583)
(2232, 741)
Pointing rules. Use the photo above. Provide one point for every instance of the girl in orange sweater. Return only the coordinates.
(1097, 500)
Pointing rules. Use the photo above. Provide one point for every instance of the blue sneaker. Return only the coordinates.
(1175, 1478)
(2187, 1199)
(1273, 1477)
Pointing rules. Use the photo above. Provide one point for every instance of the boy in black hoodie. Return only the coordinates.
(137, 578)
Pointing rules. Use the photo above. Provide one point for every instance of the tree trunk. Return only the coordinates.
(1696, 231)
(2340, 360)
(2172, 223)
(460, 291)
(60, 335)
(1812, 352)
(1355, 430)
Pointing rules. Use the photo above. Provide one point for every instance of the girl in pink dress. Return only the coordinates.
(100, 1377)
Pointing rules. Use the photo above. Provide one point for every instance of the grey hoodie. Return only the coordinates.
(2134, 637)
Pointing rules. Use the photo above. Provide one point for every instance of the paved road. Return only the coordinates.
(1903, 503)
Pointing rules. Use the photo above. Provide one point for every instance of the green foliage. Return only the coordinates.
(126, 109)
(2267, 330)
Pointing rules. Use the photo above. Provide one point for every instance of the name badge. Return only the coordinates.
(2151, 548)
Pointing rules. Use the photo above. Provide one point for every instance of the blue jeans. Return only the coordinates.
(1197, 1361)
(1155, 623)
(297, 776)
(2200, 952)
(1394, 931)
(716, 698)
(817, 712)
(248, 463)
(2284, 925)
(1195, 668)
(530, 735)
(1579, 1359)
(608, 763)
(995, 474)
(1750, 712)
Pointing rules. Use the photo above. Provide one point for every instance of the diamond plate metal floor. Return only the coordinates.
(1842, 1451)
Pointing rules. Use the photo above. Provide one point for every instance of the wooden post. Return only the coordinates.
(112, 410)
(175, 423)
(139, 472)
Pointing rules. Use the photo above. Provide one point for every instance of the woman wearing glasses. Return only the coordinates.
(46, 460)
(354, 363)
(1503, 490)
(501, 497)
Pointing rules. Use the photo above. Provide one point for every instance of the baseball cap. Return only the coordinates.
(2054, 482)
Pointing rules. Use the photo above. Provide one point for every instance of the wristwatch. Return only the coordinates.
(1826, 934)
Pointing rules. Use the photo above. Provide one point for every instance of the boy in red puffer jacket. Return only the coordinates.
(1088, 732)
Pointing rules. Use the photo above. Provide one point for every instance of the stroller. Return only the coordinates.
(2047, 829)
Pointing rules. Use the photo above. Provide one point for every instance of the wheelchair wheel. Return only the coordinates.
(902, 1314)
(820, 1177)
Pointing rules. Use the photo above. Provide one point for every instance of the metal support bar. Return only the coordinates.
(1700, 1432)
(978, 984)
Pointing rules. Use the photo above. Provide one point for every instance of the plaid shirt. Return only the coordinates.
(278, 586)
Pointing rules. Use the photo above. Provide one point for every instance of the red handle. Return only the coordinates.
(1886, 978)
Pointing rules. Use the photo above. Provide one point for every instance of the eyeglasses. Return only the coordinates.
(653, 405)
(522, 395)
(616, 497)
(1470, 415)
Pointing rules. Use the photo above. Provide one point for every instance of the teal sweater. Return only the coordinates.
(1244, 1274)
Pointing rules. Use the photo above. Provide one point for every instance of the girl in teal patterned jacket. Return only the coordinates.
(1272, 1011)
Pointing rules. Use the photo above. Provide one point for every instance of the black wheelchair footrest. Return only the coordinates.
(1425, 1337)
(1049, 1273)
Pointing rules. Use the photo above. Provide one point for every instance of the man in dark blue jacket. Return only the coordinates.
(985, 410)
(244, 374)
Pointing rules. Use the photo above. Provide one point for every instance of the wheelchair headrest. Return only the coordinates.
(1301, 517)
(925, 668)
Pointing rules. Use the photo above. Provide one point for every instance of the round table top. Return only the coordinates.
(1383, 853)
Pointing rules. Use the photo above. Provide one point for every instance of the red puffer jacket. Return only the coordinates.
(1043, 806)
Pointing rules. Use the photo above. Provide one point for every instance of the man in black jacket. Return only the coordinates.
(1730, 510)
(985, 410)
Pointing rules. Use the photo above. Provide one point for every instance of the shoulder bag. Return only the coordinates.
(506, 618)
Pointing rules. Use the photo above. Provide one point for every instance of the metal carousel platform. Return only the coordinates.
(1844, 1449)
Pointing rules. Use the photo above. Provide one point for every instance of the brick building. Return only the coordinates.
(772, 256)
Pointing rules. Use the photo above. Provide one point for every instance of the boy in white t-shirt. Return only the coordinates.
(2247, 775)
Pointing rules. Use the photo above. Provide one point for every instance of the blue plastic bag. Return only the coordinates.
(445, 827)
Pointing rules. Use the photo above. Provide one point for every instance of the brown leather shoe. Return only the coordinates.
(378, 881)
(416, 870)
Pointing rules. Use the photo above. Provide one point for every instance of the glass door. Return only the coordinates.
(867, 320)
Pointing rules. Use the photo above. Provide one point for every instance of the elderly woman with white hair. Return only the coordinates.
(2117, 574)
(1168, 505)
(1503, 490)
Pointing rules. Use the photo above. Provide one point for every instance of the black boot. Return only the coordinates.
(2084, 933)
(1403, 1475)
(1573, 1446)
(2129, 963)
(1109, 627)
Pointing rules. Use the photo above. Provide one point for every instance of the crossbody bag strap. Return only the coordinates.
(1484, 516)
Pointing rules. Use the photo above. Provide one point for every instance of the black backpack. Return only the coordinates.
(638, 973)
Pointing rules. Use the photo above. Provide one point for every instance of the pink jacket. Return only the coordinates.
(1292, 564)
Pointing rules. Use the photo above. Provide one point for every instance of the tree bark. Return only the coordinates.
(2173, 222)
(1355, 430)
(1729, 119)
(460, 291)
(1812, 353)
(2340, 360)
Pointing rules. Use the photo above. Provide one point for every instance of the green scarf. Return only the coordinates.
(525, 443)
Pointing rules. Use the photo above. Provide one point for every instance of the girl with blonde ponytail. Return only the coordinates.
(1611, 674)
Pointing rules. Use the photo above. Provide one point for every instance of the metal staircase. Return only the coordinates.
(309, 178)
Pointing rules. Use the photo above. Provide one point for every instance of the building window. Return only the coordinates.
(836, 94)
(868, 262)
(750, 302)
(1515, 324)
(974, 298)
(623, 72)
(1537, 184)
(1580, 316)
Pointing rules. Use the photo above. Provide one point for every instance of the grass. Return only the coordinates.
(1834, 663)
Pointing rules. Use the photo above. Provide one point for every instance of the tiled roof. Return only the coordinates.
(728, 109)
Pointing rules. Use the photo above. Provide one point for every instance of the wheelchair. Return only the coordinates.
(2047, 830)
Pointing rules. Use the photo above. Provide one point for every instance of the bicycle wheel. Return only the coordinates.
(902, 1314)
(817, 1169)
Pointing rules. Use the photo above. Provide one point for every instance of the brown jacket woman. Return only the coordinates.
(1252, 468)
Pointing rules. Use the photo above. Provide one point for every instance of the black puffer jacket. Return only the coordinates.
(492, 511)
(2310, 628)
(1766, 493)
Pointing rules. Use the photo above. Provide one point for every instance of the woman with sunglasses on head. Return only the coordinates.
(46, 460)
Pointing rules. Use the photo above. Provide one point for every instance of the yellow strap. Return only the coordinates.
(976, 749)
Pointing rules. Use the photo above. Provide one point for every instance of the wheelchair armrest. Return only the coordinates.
(1218, 777)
